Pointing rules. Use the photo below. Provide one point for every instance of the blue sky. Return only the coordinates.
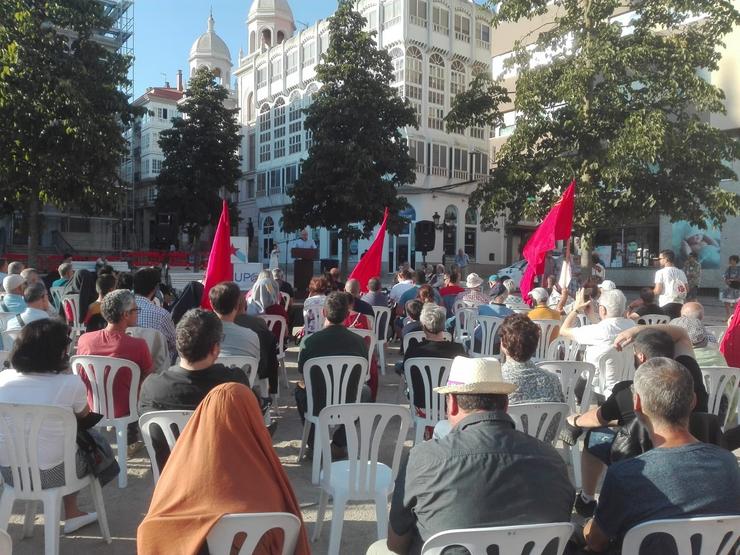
(166, 29)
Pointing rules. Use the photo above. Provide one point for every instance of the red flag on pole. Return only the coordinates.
(219, 267)
(557, 226)
(370, 264)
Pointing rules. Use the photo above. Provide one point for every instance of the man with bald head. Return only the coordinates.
(696, 310)
(363, 307)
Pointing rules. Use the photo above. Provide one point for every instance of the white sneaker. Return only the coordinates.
(74, 524)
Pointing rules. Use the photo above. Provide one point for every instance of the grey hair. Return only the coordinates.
(115, 304)
(693, 310)
(64, 268)
(614, 302)
(433, 318)
(15, 267)
(34, 292)
(277, 273)
(666, 390)
(352, 287)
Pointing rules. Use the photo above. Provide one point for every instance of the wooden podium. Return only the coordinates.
(302, 269)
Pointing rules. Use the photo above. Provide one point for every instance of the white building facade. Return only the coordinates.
(437, 47)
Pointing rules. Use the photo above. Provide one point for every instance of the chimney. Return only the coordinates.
(166, 84)
(179, 80)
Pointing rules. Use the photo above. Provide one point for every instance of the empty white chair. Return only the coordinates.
(563, 348)
(248, 364)
(714, 531)
(338, 373)
(721, 381)
(362, 476)
(19, 427)
(272, 320)
(540, 420)
(614, 367)
(171, 422)
(653, 319)
(463, 317)
(381, 323)
(255, 525)
(433, 372)
(511, 540)
(418, 336)
(157, 343)
(285, 300)
(547, 327)
(101, 374)
(56, 297)
(6, 544)
(488, 326)
(71, 304)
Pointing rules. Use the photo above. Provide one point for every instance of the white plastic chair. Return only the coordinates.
(100, 386)
(434, 373)
(19, 427)
(171, 422)
(721, 381)
(716, 331)
(368, 336)
(248, 365)
(417, 337)
(546, 329)
(563, 348)
(157, 343)
(535, 419)
(255, 525)
(511, 540)
(4, 356)
(73, 302)
(653, 319)
(623, 368)
(6, 317)
(339, 372)
(489, 326)
(463, 317)
(56, 297)
(382, 321)
(285, 300)
(715, 532)
(6, 544)
(458, 304)
(272, 320)
(362, 476)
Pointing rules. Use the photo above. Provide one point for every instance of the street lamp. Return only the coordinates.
(435, 218)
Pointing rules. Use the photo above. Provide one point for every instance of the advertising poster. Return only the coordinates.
(705, 243)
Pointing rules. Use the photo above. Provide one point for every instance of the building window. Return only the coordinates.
(145, 140)
(398, 63)
(416, 151)
(309, 140)
(250, 188)
(279, 118)
(291, 175)
(280, 148)
(462, 28)
(262, 184)
(162, 113)
(262, 77)
(441, 20)
(436, 80)
(323, 45)
(480, 165)
(471, 232)
(457, 78)
(392, 13)
(309, 53)
(75, 225)
(294, 144)
(277, 68)
(156, 166)
(291, 65)
(372, 20)
(276, 181)
(145, 167)
(508, 126)
(439, 160)
(459, 163)
(418, 12)
(483, 35)
(265, 152)
(265, 124)
(449, 237)
(268, 226)
(414, 73)
(436, 117)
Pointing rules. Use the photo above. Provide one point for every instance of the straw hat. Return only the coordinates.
(473, 280)
(476, 375)
(539, 294)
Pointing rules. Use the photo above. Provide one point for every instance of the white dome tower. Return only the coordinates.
(210, 50)
(269, 22)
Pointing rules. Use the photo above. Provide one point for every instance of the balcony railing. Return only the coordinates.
(391, 22)
(416, 20)
(462, 37)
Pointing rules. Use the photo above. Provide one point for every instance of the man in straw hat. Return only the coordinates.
(473, 293)
(482, 473)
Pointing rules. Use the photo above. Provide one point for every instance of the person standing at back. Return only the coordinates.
(671, 284)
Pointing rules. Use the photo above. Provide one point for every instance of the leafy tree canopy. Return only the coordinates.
(622, 107)
(201, 156)
(358, 157)
(61, 108)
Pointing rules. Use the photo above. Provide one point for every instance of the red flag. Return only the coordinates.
(557, 225)
(219, 267)
(730, 344)
(369, 265)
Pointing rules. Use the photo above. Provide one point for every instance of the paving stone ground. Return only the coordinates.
(127, 507)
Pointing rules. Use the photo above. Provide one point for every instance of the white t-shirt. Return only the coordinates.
(29, 315)
(313, 315)
(674, 285)
(399, 289)
(59, 390)
(599, 339)
(305, 244)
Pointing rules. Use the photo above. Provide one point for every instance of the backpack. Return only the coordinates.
(676, 289)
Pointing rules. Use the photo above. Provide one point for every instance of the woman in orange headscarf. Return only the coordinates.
(222, 463)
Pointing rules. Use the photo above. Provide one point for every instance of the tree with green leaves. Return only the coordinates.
(621, 107)
(61, 110)
(201, 156)
(358, 157)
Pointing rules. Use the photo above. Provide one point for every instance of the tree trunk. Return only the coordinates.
(33, 229)
(586, 264)
(344, 266)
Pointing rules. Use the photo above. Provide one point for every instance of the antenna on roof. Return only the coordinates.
(164, 75)
(305, 25)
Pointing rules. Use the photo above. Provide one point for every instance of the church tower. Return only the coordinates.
(269, 23)
(210, 50)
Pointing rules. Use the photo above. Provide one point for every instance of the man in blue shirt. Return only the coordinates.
(13, 299)
(65, 274)
(679, 478)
